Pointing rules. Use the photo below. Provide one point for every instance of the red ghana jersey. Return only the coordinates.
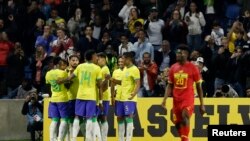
(183, 77)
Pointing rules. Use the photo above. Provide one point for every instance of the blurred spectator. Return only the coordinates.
(166, 57)
(54, 18)
(240, 39)
(161, 83)
(76, 23)
(195, 21)
(217, 33)
(245, 67)
(125, 45)
(209, 50)
(245, 19)
(98, 27)
(32, 34)
(33, 111)
(148, 71)
(194, 55)
(175, 30)
(248, 92)
(46, 39)
(154, 27)
(180, 5)
(231, 35)
(15, 73)
(86, 42)
(40, 56)
(116, 32)
(105, 41)
(25, 89)
(111, 58)
(63, 46)
(134, 36)
(206, 80)
(2, 28)
(220, 64)
(226, 91)
(142, 46)
(125, 11)
(134, 16)
(235, 72)
(6, 47)
(232, 13)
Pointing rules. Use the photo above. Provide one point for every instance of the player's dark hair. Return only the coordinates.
(88, 55)
(129, 55)
(56, 60)
(102, 55)
(184, 47)
(62, 61)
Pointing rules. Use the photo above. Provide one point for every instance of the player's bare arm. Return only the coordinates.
(200, 94)
(168, 91)
(137, 87)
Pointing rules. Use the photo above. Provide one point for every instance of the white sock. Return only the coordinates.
(67, 136)
(97, 131)
(104, 130)
(89, 130)
(76, 128)
(121, 131)
(53, 130)
(63, 128)
(69, 132)
(129, 130)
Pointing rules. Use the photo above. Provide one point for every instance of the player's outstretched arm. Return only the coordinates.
(63, 80)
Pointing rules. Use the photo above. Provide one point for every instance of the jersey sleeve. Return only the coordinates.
(105, 71)
(76, 71)
(136, 74)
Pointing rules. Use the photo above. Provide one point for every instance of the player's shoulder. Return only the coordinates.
(105, 68)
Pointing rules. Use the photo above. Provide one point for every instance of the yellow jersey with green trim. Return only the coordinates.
(130, 76)
(87, 74)
(118, 74)
(106, 93)
(72, 91)
(59, 92)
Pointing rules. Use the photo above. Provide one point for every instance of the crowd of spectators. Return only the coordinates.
(32, 32)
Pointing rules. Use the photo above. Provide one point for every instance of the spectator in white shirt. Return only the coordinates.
(195, 21)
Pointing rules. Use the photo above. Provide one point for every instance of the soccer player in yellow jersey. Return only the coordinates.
(58, 105)
(116, 92)
(106, 95)
(89, 76)
(72, 92)
(130, 85)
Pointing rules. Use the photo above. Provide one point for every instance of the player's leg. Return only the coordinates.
(79, 112)
(104, 121)
(185, 123)
(63, 108)
(129, 108)
(119, 112)
(69, 133)
(97, 130)
(54, 115)
(90, 114)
